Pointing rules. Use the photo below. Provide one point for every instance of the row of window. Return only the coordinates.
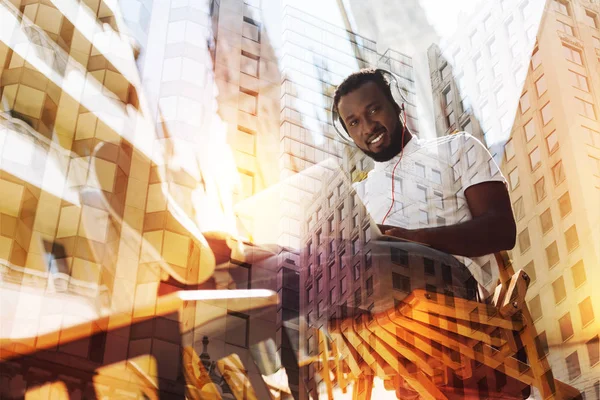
(589, 17)
(572, 360)
(558, 176)
(552, 254)
(586, 310)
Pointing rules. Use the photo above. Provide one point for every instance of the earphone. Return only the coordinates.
(402, 110)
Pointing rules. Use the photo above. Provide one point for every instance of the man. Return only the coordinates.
(431, 189)
(446, 193)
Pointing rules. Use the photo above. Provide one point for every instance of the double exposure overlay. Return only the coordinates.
(284, 199)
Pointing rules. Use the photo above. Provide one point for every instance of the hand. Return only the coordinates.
(402, 233)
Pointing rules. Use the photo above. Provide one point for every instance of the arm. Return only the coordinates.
(492, 228)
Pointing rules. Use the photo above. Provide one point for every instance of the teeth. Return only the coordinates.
(377, 139)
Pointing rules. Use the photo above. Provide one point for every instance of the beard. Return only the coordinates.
(394, 148)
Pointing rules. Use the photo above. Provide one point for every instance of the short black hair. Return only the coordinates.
(356, 80)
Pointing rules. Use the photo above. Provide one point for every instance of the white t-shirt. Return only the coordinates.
(429, 189)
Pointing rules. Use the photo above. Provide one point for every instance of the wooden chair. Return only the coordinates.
(434, 346)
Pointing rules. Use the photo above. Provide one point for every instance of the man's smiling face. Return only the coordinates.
(372, 121)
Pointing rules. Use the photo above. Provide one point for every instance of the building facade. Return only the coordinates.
(546, 140)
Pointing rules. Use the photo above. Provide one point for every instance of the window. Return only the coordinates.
(593, 349)
(420, 170)
(423, 217)
(595, 165)
(552, 254)
(342, 262)
(245, 140)
(368, 260)
(447, 96)
(399, 256)
(354, 246)
(541, 86)
(524, 102)
(342, 234)
(319, 284)
(552, 142)
(450, 119)
(535, 308)
(535, 159)
(445, 71)
(320, 309)
(524, 240)
(429, 266)
(310, 270)
(579, 81)
(319, 237)
(330, 224)
(566, 327)
(357, 298)
(586, 311)
(492, 47)
(436, 176)
(454, 145)
(513, 177)
(456, 170)
(354, 220)
(356, 271)
(564, 204)
(509, 150)
(572, 55)
(422, 194)
(439, 200)
(593, 135)
(500, 97)
(559, 290)
(546, 221)
(330, 200)
(309, 247)
(585, 108)
(519, 209)
(566, 28)
(578, 272)
(343, 285)
(561, 6)
(369, 284)
(497, 70)
(249, 64)
(367, 232)
(546, 114)
(332, 293)
(247, 183)
(572, 238)
(471, 157)
(536, 59)
(341, 212)
(540, 190)
(541, 345)
(529, 269)
(478, 61)
(529, 129)
(236, 332)
(251, 29)
(319, 258)
(401, 282)
(591, 19)
(248, 101)
(558, 173)
(331, 270)
(573, 365)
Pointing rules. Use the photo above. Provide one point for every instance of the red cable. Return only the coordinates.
(394, 170)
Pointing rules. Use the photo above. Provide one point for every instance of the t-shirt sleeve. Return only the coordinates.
(474, 163)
